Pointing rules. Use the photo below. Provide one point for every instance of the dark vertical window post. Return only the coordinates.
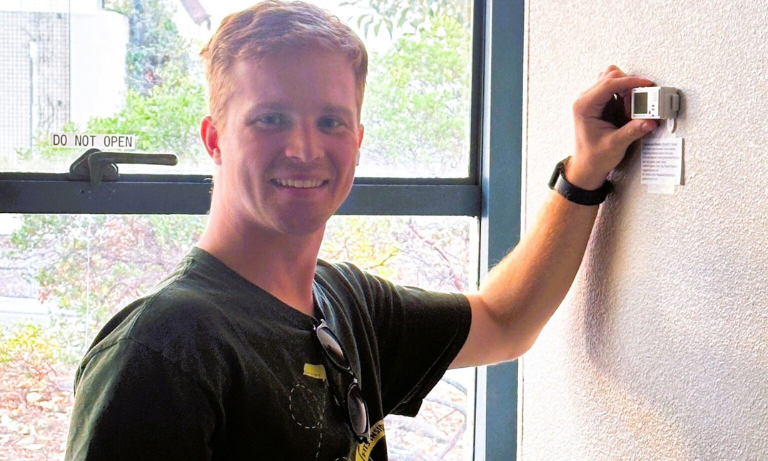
(500, 174)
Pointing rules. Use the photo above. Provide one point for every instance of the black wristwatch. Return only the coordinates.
(576, 194)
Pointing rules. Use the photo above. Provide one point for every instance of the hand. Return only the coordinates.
(600, 145)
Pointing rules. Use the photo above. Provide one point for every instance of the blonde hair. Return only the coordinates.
(274, 27)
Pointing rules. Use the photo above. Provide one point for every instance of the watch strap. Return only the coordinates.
(575, 194)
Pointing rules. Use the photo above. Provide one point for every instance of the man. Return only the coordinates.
(254, 349)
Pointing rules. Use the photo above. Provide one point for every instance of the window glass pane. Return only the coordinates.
(130, 67)
(63, 276)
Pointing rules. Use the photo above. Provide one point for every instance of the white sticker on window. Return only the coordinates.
(98, 141)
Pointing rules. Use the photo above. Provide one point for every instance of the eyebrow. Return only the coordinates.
(280, 106)
(339, 110)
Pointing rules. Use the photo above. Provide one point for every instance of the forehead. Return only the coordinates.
(304, 77)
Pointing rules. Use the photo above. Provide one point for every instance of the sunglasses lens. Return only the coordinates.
(358, 413)
(331, 346)
(356, 408)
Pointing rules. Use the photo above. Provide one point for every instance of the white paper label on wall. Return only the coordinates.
(668, 189)
(661, 164)
(98, 141)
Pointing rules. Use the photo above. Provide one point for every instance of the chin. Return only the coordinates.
(304, 225)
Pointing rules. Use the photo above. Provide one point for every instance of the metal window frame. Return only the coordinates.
(496, 422)
(491, 192)
(32, 193)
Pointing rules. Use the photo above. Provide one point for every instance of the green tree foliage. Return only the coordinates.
(423, 251)
(408, 14)
(165, 94)
(166, 120)
(155, 46)
(165, 98)
(418, 102)
(91, 265)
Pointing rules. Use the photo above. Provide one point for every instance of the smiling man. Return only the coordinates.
(285, 149)
(255, 349)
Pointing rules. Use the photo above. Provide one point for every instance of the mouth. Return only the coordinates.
(300, 183)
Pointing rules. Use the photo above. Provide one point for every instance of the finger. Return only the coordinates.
(610, 69)
(620, 85)
(626, 97)
(615, 73)
(593, 100)
(607, 71)
(631, 132)
(614, 112)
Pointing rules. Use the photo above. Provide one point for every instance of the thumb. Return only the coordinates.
(633, 131)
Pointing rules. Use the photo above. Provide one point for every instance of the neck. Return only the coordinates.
(282, 265)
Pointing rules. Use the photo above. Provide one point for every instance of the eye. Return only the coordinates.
(270, 121)
(329, 123)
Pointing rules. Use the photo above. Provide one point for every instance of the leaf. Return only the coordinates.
(367, 25)
(403, 18)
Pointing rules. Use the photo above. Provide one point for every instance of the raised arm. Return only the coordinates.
(523, 291)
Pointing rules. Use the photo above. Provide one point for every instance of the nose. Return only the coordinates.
(303, 144)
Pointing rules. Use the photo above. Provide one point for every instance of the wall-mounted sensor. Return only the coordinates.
(655, 102)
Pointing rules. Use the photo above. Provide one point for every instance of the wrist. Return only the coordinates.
(583, 176)
(573, 192)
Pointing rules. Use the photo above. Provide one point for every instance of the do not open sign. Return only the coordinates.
(98, 141)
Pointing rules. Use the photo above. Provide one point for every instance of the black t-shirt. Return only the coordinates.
(211, 367)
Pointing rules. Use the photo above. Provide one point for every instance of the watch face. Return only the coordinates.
(559, 170)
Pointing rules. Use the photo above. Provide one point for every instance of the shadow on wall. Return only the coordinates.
(679, 371)
(617, 415)
(597, 300)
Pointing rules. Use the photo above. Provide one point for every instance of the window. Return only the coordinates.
(127, 68)
(64, 276)
(72, 253)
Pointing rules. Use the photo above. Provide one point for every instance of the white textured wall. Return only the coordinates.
(660, 351)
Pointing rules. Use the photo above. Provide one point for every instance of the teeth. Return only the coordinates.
(299, 183)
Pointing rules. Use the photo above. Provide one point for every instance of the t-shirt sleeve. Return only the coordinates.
(131, 403)
(418, 340)
(418, 334)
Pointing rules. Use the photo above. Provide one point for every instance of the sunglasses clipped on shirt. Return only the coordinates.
(352, 399)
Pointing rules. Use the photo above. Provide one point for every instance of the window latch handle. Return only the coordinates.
(97, 165)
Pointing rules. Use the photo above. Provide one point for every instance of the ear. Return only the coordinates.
(210, 136)
(360, 133)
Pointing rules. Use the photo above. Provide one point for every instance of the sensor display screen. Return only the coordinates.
(641, 103)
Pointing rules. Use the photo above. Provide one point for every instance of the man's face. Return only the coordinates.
(287, 153)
